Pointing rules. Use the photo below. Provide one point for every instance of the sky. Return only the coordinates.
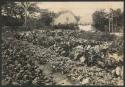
(82, 9)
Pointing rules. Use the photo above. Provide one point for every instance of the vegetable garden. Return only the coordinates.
(61, 57)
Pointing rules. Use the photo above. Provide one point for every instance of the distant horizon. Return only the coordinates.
(82, 9)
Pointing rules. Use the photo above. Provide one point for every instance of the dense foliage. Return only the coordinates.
(35, 57)
(111, 21)
(15, 14)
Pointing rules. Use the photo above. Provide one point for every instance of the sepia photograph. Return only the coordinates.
(62, 43)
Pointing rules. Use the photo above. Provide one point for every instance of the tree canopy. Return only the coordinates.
(18, 12)
(111, 21)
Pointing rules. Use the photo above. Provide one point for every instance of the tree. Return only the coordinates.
(111, 21)
(46, 18)
(18, 13)
(116, 16)
(27, 6)
(12, 14)
(100, 20)
(77, 18)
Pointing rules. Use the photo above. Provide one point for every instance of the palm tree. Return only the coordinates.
(26, 6)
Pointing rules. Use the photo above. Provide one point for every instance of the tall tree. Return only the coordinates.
(111, 21)
(26, 6)
(100, 20)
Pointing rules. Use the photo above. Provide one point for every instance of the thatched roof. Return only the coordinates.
(65, 17)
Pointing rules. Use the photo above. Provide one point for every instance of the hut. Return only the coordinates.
(65, 17)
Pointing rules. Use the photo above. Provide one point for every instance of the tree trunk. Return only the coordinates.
(109, 24)
(116, 25)
(112, 24)
(25, 21)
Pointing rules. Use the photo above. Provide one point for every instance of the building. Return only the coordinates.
(65, 17)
